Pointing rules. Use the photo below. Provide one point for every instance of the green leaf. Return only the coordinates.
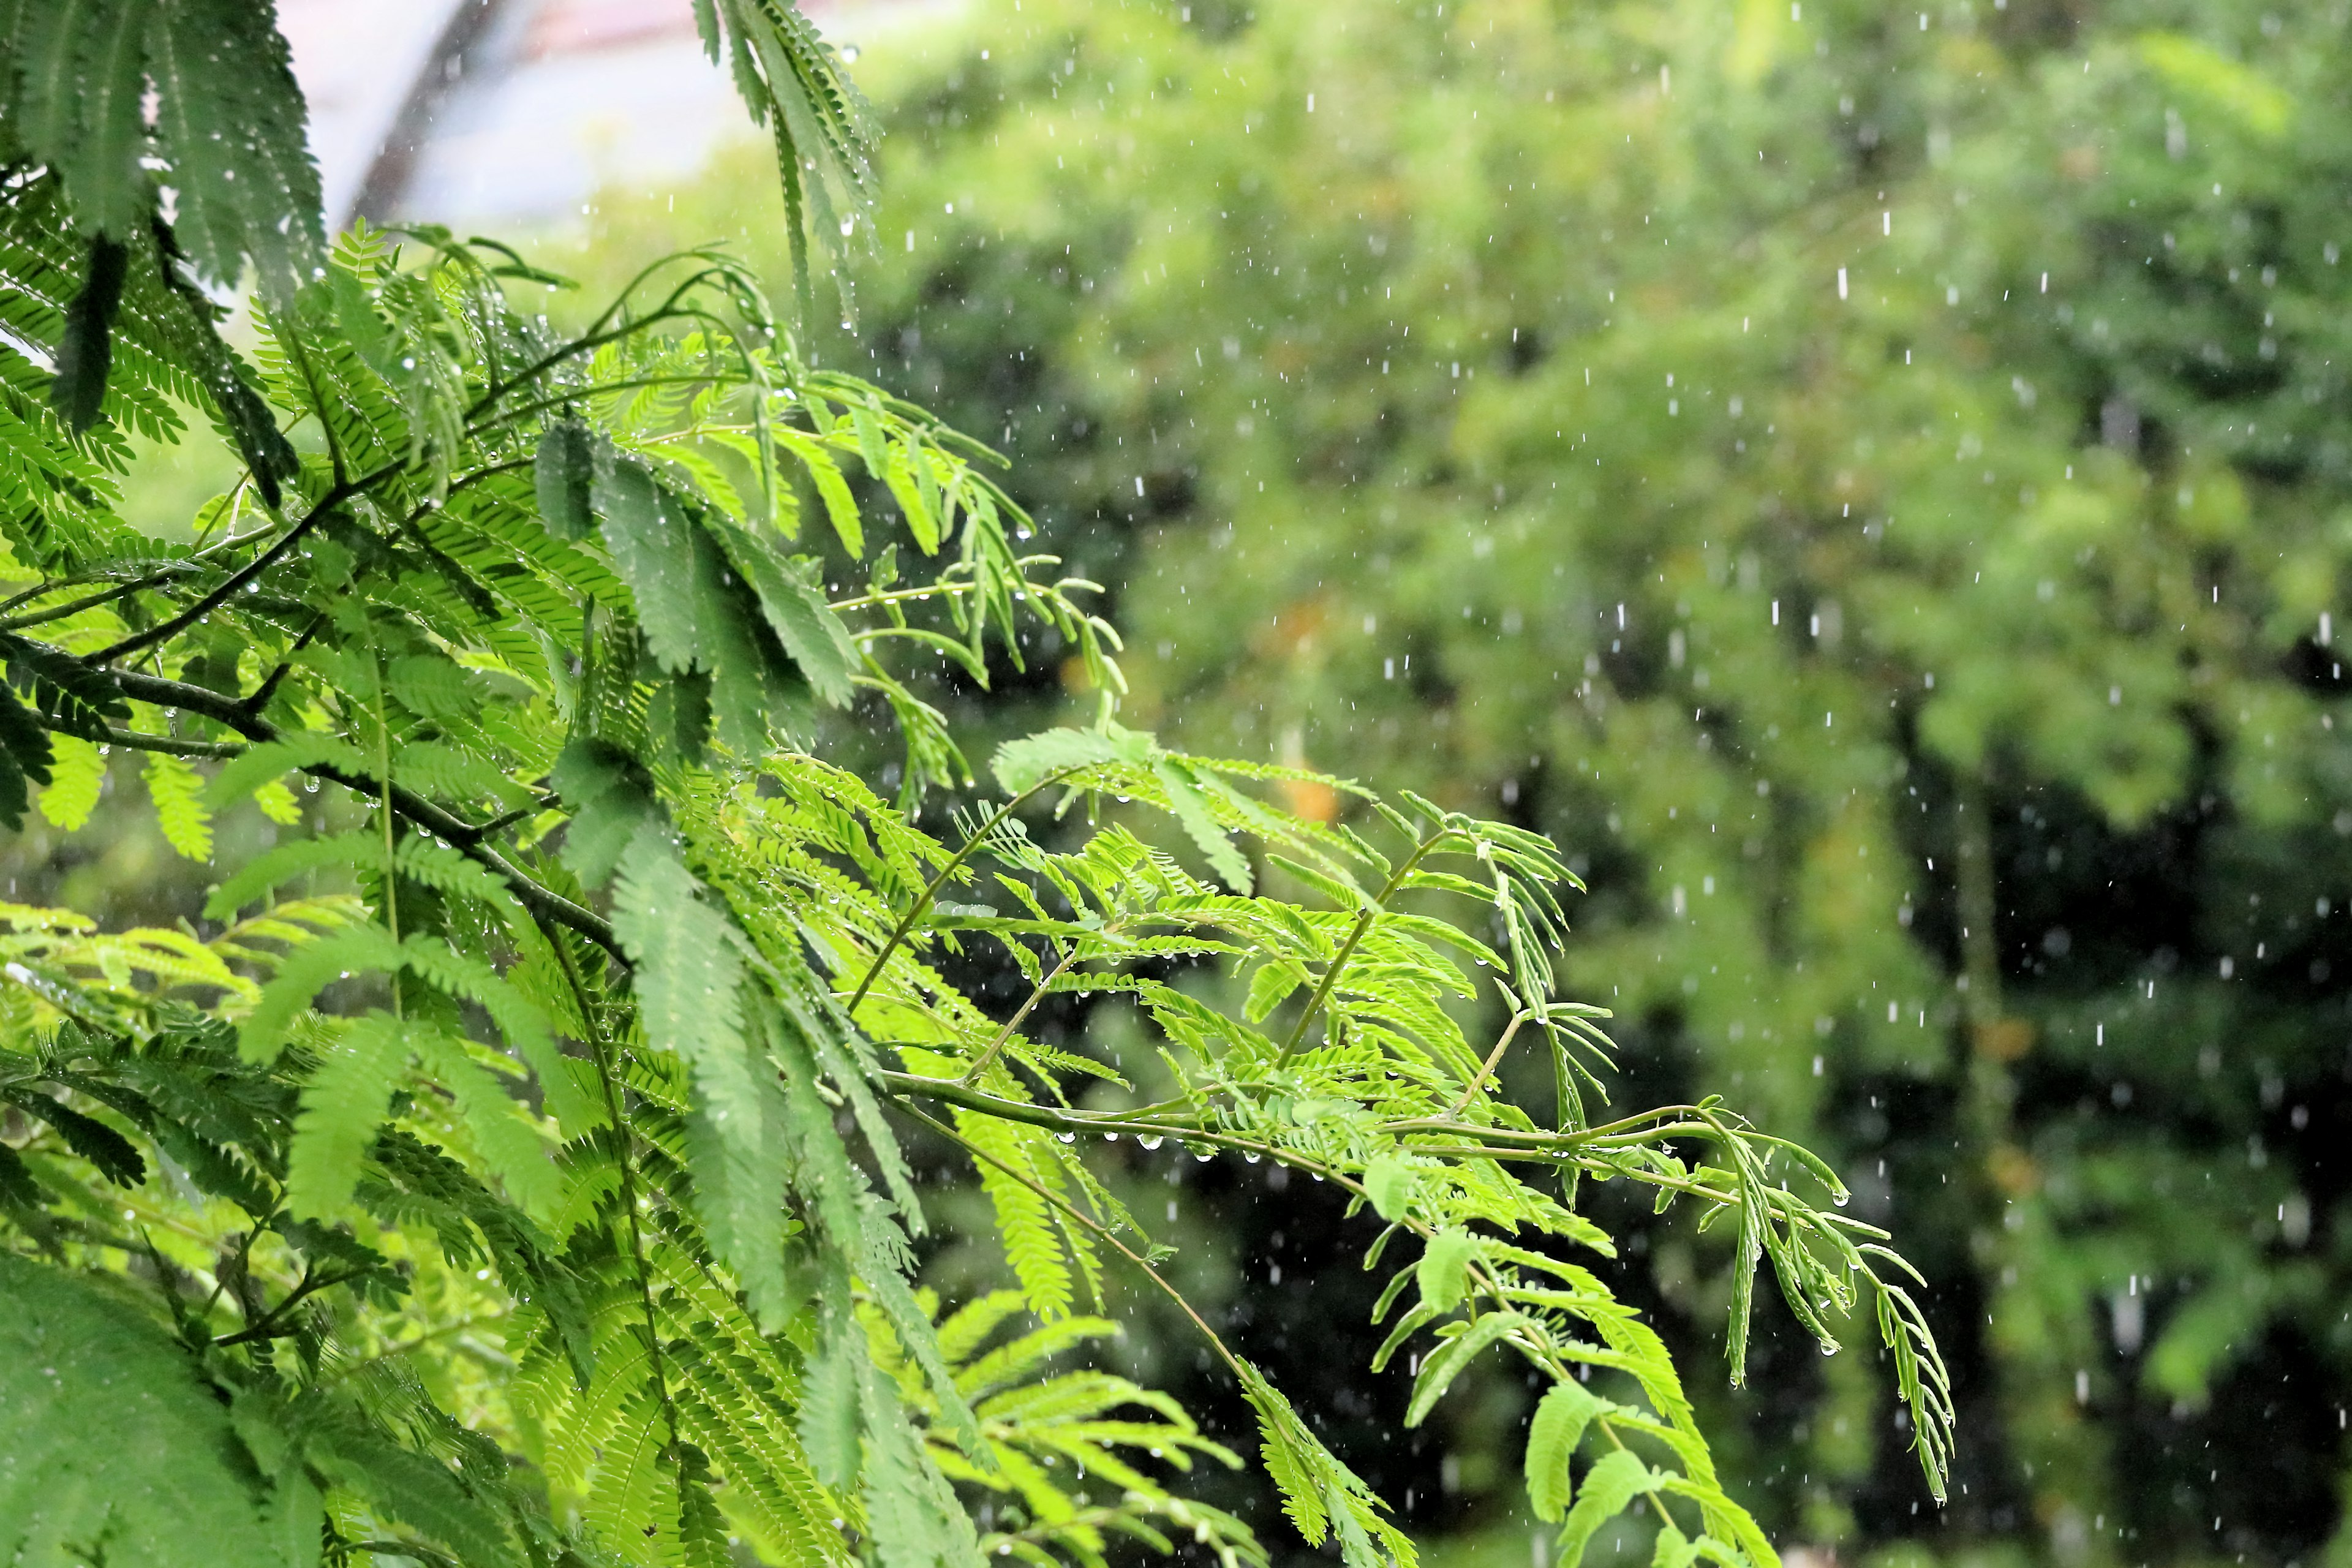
(1616, 1480)
(77, 772)
(1552, 1436)
(417, 1489)
(793, 83)
(1447, 1363)
(83, 73)
(864, 420)
(24, 759)
(652, 539)
(360, 850)
(178, 791)
(829, 1414)
(1415, 1317)
(508, 1140)
(695, 612)
(687, 973)
(231, 124)
(467, 977)
(1024, 1224)
(612, 799)
(1024, 765)
(691, 990)
(256, 765)
(840, 506)
(277, 803)
(914, 1517)
(565, 473)
(1190, 806)
(432, 686)
(308, 971)
(343, 1103)
(1443, 1271)
(114, 1435)
(86, 352)
(79, 699)
(1388, 1181)
(116, 1157)
(17, 1188)
(792, 598)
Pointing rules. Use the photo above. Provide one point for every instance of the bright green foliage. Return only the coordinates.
(119, 1453)
(1095, 1422)
(544, 1203)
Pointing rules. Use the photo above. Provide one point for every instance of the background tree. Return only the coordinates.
(1870, 484)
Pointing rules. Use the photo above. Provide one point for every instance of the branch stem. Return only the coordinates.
(608, 1073)
(1101, 1232)
(342, 491)
(988, 1057)
(1364, 919)
(906, 922)
(1486, 1068)
(467, 838)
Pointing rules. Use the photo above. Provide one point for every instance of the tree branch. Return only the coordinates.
(971, 1074)
(467, 838)
(133, 740)
(91, 601)
(1102, 1231)
(236, 580)
(261, 694)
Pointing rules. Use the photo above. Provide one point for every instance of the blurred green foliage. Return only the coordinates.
(1873, 483)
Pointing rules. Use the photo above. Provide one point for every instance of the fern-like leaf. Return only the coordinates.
(114, 1435)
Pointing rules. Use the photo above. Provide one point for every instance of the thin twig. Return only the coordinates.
(608, 1078)
(1364, 919)
(971, 1074)
(262, 693)
(923, 900)
(1103, 1232)
(91, 602)
(1486, 1068)
(136, 741)
(269, 1325)
(237, 581)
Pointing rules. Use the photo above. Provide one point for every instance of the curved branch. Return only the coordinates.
(92, 601)
(468, 838)
(608, 1078)
(227, 590)
(597, 337)
(133, 740)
